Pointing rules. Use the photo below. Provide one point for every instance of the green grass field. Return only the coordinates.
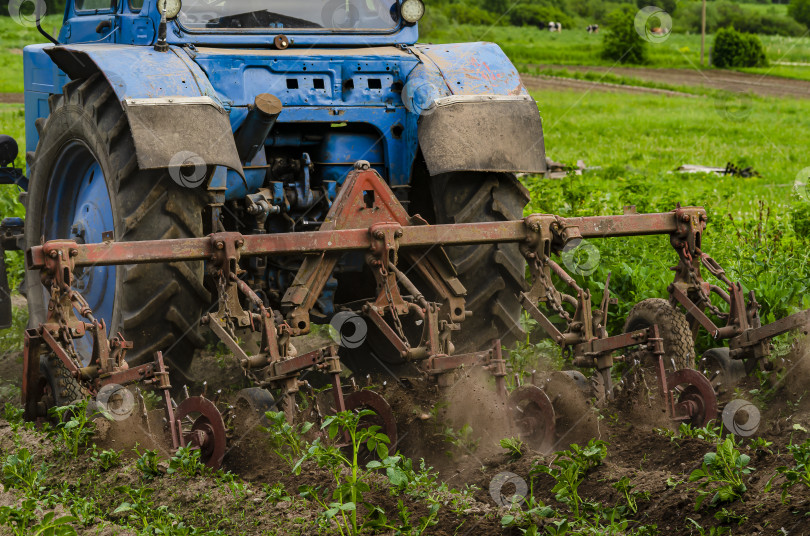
(526, 46)
(759, 229)
(14, 38)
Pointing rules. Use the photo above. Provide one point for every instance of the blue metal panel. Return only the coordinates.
(357, 86)
(474, 68)
(136, 71)
(41, 78)
(339, 152)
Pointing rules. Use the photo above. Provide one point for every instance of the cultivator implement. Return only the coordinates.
(419, 305)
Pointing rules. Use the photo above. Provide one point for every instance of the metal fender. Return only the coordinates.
(173, 110)
(474, 112)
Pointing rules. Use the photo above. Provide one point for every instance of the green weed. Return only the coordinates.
(74, 428)
(105, 459)
(513, 446)
(186, 461)
(148, 464)
(797, 474)
(286, 439)
(21, 472)
(721, 474)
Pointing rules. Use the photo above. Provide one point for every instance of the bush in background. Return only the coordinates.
(539, 15)
(735, 49)
(800, 11)
(724, 14)
(667, 5)
(622, 43)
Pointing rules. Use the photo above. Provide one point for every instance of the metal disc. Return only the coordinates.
(721, 370)
(208, 431)
(698, 393)
(384, 417)
(532, 412)
(251, 404)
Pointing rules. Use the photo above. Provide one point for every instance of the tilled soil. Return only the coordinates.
(655, 463)
(765, 85)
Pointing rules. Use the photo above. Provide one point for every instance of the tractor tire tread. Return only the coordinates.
(493, 274)
(144, 301)
(679, 346)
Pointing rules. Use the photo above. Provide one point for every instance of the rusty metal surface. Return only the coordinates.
(207, 431)
(533, 414)
(796, 321)
(383, 415)
(697, 402)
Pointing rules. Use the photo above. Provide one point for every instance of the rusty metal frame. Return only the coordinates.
(366, 216)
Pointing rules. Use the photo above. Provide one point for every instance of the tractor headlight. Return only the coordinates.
(412, 10)
(172, 7)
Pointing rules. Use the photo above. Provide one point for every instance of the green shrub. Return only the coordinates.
(470, 14)
(735, 49)
(667, 5)
(538, 15)
(800, 11)
(723, 14)
(622, 43)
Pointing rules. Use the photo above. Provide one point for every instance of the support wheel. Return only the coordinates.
(207, 430)
(250, 406)
(60, 388)
(695, 399)
(532, 413)
(673, 328)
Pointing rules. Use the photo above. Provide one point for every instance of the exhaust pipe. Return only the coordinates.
(257, 126)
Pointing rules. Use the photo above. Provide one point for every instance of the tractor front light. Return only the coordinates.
(412, 10)
(172, 7)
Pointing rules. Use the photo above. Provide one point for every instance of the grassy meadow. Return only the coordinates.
(759, 229)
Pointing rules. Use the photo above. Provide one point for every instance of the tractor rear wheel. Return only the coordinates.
(493, 274)
(85, 183)
(673, 328)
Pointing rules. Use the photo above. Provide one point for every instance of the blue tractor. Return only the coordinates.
(159, 119)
